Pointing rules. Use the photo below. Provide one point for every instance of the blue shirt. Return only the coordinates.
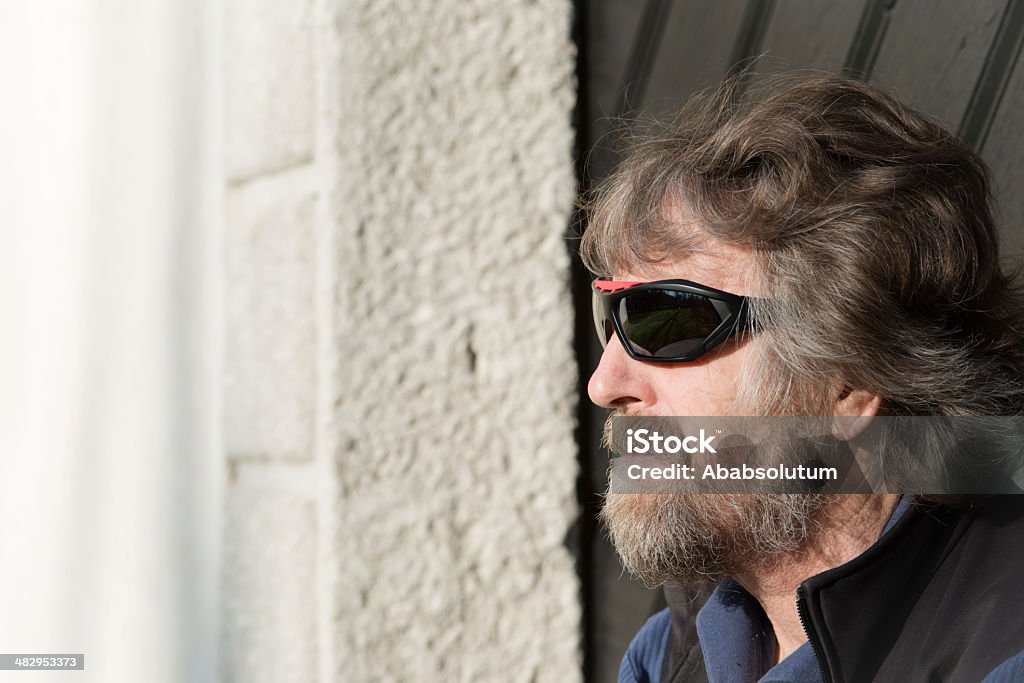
(739, 644)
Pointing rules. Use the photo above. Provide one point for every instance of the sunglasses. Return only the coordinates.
(667, 321)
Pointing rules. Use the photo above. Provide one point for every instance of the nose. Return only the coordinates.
(618, 381)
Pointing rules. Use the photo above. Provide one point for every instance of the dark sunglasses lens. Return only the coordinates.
(663, 323)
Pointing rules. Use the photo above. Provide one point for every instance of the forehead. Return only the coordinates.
(698, 256)
(728, 267)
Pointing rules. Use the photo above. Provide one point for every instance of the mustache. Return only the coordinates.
(606, 432)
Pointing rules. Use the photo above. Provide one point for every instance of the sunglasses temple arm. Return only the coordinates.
(745, 320)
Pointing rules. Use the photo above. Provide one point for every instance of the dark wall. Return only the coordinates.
(959, 60)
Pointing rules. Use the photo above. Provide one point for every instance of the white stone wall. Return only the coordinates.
(400, 381)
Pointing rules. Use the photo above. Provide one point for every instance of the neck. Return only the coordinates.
(849, 525)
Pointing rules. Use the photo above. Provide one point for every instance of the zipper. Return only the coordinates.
(801, 610)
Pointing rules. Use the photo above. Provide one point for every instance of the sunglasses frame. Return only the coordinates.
(733, 309)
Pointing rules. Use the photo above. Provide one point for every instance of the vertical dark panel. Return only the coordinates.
(699, 39)
(629, 33)
(813, 35)
(609, 30)
(646, 43)
(1004, 150)
(614, 28)
(934, 51)
(992, 83)
(871, 29)
(750, 36)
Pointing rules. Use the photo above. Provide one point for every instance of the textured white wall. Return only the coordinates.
(400, 384)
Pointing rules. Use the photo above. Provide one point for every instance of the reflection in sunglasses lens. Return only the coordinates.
(666, 323)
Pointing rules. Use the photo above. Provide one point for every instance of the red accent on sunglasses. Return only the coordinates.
(611, 286)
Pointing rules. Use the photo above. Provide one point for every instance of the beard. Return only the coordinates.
(694, 539)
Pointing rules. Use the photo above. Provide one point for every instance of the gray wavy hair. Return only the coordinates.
(872, 229)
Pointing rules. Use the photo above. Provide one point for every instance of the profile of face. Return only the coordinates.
(691, 538)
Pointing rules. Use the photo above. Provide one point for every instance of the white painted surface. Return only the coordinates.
(110, 483)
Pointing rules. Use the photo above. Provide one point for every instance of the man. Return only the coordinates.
(859, 234)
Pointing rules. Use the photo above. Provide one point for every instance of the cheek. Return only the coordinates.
(705, 389)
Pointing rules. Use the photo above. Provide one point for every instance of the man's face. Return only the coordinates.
(691, 538)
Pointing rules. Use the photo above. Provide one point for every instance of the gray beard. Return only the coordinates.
(695, 539)
(692, 539)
